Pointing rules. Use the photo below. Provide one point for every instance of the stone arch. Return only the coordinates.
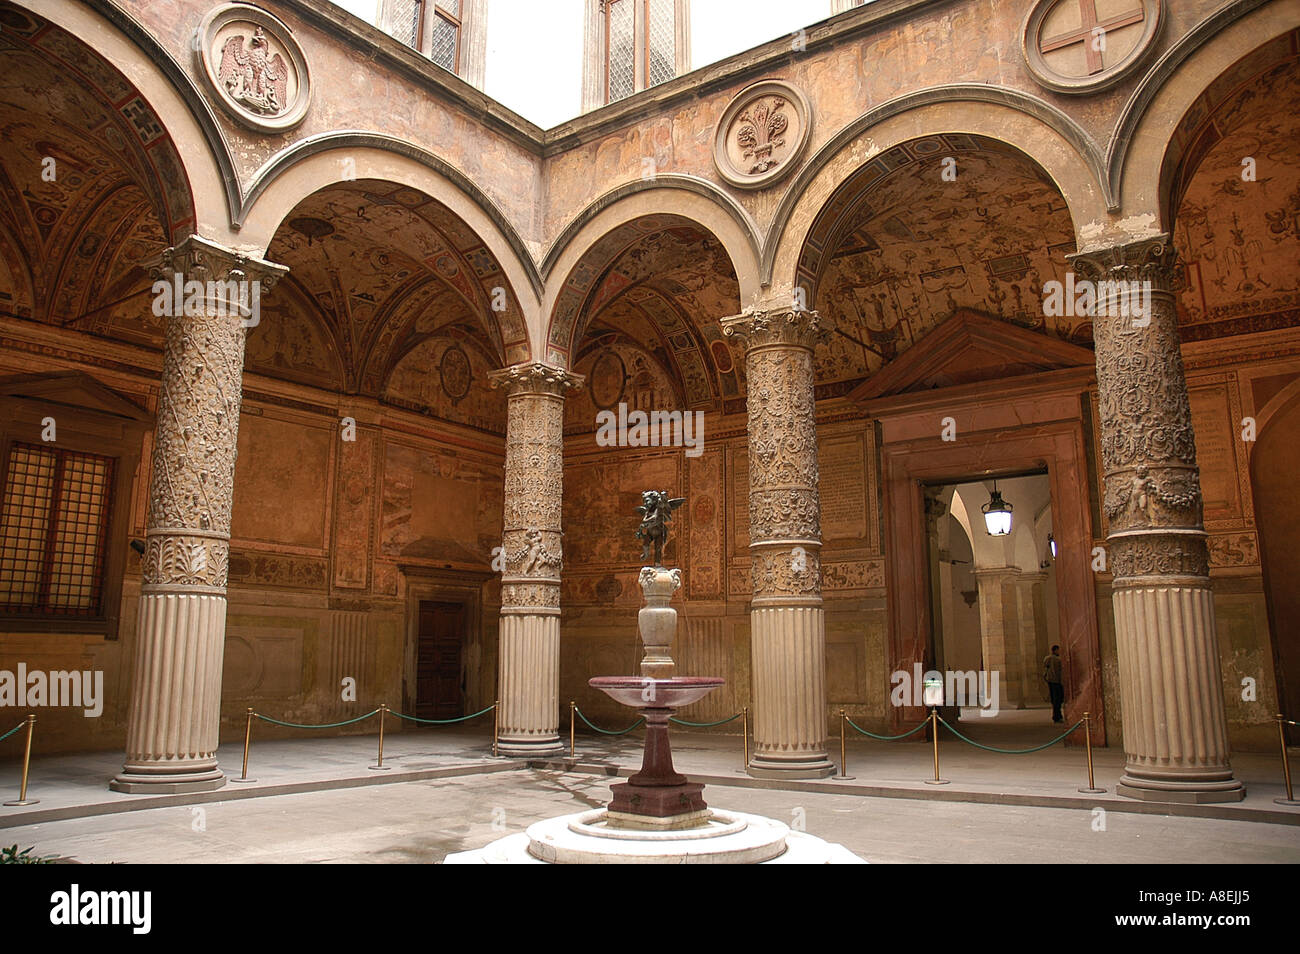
(184, 114)
(640, 304)
(1170, 88)
(684, 183)
(313, 166)
(1043, 133)
(706, 208)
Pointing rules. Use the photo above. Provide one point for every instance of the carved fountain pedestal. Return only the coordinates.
(657, 797)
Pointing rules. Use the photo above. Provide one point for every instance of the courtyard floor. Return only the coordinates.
(317, 800)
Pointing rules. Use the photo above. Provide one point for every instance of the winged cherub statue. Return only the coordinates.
(656, 511)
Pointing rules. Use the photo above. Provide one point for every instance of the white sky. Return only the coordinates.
(534, 47)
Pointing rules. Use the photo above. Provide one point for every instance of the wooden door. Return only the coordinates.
(439, 693)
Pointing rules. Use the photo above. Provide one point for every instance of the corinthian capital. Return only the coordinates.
(197, 259)
(765, 326)
(1144, 260)
(535, 377)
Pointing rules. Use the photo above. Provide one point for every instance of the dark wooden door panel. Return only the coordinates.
(439, 689)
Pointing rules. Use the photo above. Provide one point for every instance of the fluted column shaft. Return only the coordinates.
(1175, 727)
(787, 622)
(529, 659)
(175, 713)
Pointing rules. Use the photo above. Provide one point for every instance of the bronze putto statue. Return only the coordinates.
(656, 511)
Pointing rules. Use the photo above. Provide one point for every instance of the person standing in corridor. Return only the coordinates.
(1052, 673)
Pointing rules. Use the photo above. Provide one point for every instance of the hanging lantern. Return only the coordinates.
(997, 514)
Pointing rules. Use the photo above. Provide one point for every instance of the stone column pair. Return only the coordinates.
(1175, 728)
(529, 663)
(175, 710)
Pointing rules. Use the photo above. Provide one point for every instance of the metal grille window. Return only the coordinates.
(661, 40)
(445, 46)
(53, 524)
(620, 46)
(402, 21)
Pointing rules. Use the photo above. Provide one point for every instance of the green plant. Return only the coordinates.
(12, 856)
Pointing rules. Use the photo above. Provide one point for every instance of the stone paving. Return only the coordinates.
(70, 786)
(422, 821)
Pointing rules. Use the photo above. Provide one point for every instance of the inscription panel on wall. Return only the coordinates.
(842, 487)
(1217, 438)
(738, 469)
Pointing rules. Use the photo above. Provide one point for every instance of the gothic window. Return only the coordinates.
(53, 525)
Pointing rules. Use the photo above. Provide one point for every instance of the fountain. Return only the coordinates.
(658, 816)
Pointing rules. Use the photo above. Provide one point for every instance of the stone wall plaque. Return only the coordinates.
(253, 66)
(761, 134)
(1081, 46)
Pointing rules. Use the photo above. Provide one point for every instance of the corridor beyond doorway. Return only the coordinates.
(993, 599)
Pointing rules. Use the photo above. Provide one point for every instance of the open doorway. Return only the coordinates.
(993, 602)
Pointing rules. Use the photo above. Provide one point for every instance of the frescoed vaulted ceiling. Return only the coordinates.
(1237, 231)
(382, 267)
(90, 184)
(901, 247)
(640, 316)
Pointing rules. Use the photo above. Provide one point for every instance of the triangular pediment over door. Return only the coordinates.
(969, 348)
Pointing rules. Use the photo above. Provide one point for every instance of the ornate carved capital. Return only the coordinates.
(197, 259)
(535, 377)
(1145, 260)
(767, 327)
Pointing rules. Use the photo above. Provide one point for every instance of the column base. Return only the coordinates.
(168, 783)
(546, 747)
(1184, 793)
(781, 768)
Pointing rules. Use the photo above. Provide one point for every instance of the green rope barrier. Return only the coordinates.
(328, 725)
(704, 725)
(886, 738)
(410, 718)
(13, 730)
(991, 748)
(607, 731)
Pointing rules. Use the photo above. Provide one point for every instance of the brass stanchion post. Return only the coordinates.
(379, 765)
(934, 732)
(27, 763)
(1092, 789)
(572, 707)
(1286, 764)
(744, 737)
(844, 764)
(248, 737)
(496, 722)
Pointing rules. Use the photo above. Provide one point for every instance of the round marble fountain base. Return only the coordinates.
(725, 838)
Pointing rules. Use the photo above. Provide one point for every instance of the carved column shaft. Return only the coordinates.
(175, 711)
(528, 721)
(1175, 727)
(788, 629)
